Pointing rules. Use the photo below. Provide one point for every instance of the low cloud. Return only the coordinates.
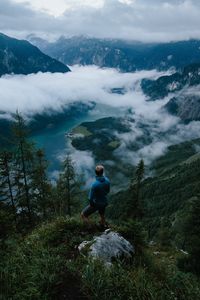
(82, 161)
(43, 92)
(46, 92)
(84, 166)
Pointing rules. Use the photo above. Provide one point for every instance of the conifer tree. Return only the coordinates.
(7, 182)
(67, 187)
(23, 164)
(40, 185)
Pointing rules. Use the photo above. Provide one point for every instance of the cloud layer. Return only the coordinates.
(41, 92)
(44, 92)
(144, 20)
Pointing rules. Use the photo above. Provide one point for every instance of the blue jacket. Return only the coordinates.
(99, 189)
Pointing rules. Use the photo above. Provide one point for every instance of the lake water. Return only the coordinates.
(54, 141)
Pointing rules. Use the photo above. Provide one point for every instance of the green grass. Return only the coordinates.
(192, 159)
(114, 144)
(36, 266)
(46, 265)
(81, 130)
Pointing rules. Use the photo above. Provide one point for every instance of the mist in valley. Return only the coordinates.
(112, 93)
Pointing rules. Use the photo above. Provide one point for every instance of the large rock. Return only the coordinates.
(108, 246)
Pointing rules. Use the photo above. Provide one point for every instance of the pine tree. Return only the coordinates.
(7, 186)
(67, 186)
(40, 185)
(23, 164)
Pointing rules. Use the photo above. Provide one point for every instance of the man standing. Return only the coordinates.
(97, 196)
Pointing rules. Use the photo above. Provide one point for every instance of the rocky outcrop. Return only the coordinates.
(107, 247)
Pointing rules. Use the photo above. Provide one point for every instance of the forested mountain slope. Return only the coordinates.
(20, 57)
(127, 56)
(166, 194)
(41, 230)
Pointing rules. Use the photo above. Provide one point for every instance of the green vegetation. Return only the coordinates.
(167, 202)
(46, 265)
(191, 229)
(21, 57)
(176, 154)
(99, 136)
(114, 144)
(35, 267)
(102, 142)
(40, 229)
(68, 189)
(81, 130)
(25, 190)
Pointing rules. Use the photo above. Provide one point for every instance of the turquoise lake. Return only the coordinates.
(54, 141)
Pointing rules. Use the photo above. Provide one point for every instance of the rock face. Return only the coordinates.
(164, 85)
(186, 107)
(125, 55)
(20, 57)
(108, 246)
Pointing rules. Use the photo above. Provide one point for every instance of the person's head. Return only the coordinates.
(99, 170)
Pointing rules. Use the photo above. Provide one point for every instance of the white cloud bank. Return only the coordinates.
(44, 92)
(143, 20)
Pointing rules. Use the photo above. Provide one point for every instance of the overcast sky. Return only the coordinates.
(144, 20)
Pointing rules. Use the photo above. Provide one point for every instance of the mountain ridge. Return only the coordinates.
(127, 56)
(21, 57)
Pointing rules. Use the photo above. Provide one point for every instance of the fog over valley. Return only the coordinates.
(38, 93)
(106, 93)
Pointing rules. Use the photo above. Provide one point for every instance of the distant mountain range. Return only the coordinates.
(157, 89)
(186, 102)
(20, 57)
(124, 55)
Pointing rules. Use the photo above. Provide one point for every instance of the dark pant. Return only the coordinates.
(90, 209)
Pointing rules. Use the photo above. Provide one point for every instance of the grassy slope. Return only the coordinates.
(46, 265)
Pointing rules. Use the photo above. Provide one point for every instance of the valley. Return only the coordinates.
(130, 106)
